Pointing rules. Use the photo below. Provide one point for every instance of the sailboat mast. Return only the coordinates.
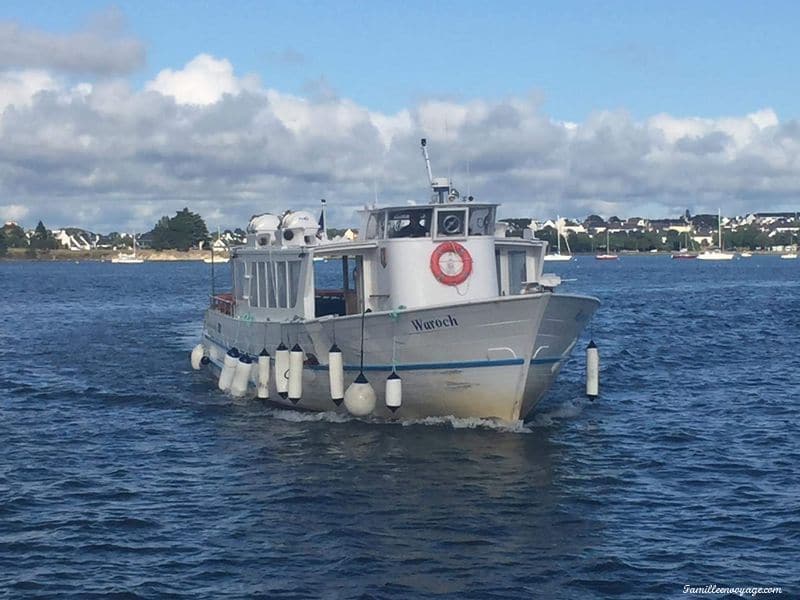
(558, 232)
(719, 225)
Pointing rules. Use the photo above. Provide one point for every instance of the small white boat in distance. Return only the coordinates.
(128, 259)
(746, 254)
(435, 313)
(607, 255)
(789, 255)
(715, 255)
(718, 254)
(216, 259)
(558, 257)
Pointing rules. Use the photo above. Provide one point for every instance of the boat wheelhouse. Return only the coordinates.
(434, 295)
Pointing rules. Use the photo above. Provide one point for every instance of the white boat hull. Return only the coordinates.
(715, 256)
(488, 359)
(557, 258)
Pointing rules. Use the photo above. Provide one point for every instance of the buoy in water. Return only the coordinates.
(592, 371)
(196, 356)
(394, 391)
(241, 376)
(282, 370)
(262, 390)
(336, 374)
(296, 373)
(359, 399)
(228, 368)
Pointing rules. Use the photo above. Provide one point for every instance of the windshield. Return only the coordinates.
(409, 223)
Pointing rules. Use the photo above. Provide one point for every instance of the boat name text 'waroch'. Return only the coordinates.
(448, 321)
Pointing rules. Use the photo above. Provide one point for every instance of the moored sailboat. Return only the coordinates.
(558, 257)
(607, 255)
(719, 253)
(128, 259)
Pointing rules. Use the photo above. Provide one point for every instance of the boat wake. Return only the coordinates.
(449, 421)
(568, 410)
(294, 416)
(470, 423)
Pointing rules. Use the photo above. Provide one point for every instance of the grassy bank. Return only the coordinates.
(101, 255)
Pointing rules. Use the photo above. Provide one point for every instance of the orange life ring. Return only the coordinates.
(451, 277)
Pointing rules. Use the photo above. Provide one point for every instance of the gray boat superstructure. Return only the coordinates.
(434, 293)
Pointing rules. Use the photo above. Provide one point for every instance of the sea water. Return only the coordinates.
(123, 473)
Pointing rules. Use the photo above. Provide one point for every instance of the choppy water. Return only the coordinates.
(123, 473)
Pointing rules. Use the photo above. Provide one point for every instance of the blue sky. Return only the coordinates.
(685, 58)
(114, 115)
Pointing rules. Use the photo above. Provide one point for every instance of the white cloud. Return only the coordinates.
(108, 156)
(17, 88)
(204, 80)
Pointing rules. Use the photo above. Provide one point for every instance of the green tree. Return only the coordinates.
(43, 239)
(3, 243)
(15, 236)
(181, 232)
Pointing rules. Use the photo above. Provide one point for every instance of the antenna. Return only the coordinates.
(424, 143)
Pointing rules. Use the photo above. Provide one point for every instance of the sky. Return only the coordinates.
(113, 115)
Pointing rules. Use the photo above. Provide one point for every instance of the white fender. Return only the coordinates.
(241, 376)
(336, 374)
(359, 399)
(592, 371)
(263, 375)
(394, 391)
(228, 366)
(197, 355)
(296, 358)
(282, 370)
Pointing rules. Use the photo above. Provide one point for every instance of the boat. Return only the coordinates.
(217, 258)
(684, 253)
(436, 313)
(746, 254)
(607, 255)
(128, 259)
(791, 253)
(719, 253)
(558, 257)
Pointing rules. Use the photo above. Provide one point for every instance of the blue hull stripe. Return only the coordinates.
(472, 364)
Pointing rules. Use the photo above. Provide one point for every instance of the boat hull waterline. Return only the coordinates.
(492, 359)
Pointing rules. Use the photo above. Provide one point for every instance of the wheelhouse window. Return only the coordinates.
(517, 271)
(269, 284)
(481, 220)
(376, 225)
(451, 222)
(409, 223)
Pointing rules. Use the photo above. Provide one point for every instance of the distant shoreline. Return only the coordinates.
(63, 255)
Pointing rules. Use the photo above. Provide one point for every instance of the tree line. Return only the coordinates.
(183, 231)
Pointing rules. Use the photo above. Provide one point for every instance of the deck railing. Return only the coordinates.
(223, 303)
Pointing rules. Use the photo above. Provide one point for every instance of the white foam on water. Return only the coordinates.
(470, 423)
(297, 416)
(568, 410)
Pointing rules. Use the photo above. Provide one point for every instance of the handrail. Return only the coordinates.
(223, 303)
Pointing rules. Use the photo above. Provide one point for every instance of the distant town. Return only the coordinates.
(768, 232)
